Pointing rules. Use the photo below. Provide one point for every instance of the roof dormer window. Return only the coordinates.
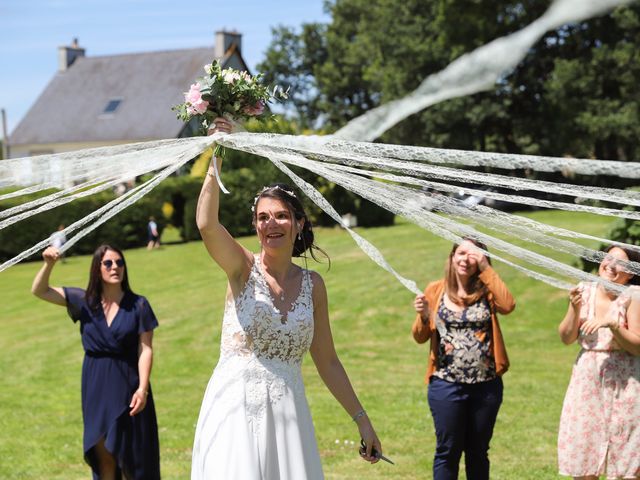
(112, 106)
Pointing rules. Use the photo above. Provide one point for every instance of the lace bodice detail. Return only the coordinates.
(261, 351)
(253, 326)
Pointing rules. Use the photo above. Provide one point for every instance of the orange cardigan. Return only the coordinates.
(500, 300)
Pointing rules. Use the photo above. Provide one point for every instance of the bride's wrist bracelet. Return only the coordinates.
(361, 413)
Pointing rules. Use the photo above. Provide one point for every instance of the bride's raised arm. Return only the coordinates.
(232, 257)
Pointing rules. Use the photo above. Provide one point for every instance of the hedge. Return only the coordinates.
(127, 229)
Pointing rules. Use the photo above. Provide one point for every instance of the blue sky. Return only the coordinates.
(32, 30)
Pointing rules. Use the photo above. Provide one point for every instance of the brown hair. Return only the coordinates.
(633, 256)
(286, 194)
(477, 289)
(93, 293)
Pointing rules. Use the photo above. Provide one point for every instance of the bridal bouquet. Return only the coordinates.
(229, 93)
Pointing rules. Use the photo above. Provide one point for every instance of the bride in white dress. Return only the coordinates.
(254, 421)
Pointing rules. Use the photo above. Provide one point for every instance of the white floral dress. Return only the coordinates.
(254, 421)
(600, 422)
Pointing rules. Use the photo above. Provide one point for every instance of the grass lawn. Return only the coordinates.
(371, 315)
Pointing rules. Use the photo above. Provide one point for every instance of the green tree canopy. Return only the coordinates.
(574, 94)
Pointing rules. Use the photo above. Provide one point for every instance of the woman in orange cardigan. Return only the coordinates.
(466, 359)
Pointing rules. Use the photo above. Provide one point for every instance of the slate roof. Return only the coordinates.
(71, 107)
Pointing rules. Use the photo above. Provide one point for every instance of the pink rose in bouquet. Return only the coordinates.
(226, 93)
(194, 97)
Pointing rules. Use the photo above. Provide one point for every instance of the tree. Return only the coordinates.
(289, 62)
(574, 94)
(378, 51)
(594, 89)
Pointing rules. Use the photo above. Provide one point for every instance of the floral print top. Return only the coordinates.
(464, 353)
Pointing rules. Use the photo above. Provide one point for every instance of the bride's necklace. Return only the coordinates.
(277, 295)
(281, 296)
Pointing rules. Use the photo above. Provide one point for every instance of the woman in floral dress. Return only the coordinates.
(600, 422)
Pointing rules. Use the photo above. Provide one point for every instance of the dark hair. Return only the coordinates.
(287, 195)
(93, 294)
(476, 287)
(633, 256)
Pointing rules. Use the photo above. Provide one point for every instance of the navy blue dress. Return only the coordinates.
(109, 379)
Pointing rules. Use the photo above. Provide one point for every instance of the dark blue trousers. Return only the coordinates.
(464, 416)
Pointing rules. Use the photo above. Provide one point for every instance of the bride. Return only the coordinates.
(254, 421)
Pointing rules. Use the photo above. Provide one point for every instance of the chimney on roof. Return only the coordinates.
(68, 55)
(224, 41)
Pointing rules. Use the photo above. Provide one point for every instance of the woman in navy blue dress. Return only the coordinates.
(116, 326)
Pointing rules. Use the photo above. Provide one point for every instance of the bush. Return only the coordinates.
(182, 193)
(127, 229)
(344, 201)
(371, 215)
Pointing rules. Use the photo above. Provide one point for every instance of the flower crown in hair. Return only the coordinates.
(291, 193)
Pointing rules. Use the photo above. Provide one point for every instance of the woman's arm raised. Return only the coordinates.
(232, 257)
(504, 301)
(568, 328)
(40, 287)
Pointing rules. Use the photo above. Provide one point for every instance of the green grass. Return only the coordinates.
(371, 315)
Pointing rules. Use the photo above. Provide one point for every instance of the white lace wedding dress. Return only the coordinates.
(254, 421)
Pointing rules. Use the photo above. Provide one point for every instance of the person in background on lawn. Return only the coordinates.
(600, 422)
(467, 357)
(152, 234)
(116, 327)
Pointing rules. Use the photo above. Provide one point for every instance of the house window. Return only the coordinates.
(112, 106)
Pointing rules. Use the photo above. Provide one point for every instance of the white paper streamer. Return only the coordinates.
(352, 163)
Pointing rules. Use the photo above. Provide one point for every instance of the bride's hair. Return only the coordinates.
(287, 195)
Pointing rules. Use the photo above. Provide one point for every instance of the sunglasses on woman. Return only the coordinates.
(109, 263)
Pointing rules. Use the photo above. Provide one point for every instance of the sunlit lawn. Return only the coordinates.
(371, 313)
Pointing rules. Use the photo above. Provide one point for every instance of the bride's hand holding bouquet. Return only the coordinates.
(221, 99)
(230, 94)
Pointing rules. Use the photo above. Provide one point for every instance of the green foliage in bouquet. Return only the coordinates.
(229, 93)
